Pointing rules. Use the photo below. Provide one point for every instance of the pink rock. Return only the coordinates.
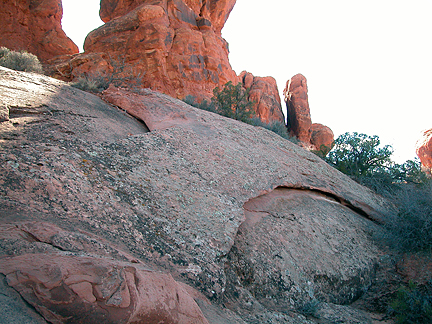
(424, 150)
(264, 91)
(322, 137)
(35, 26)
(91, 288)
(296, 98)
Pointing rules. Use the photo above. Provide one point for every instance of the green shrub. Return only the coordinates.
(204, 105)
(233, 101)
(276, 127)
(359, 155)
(412, 305)
(20, 61)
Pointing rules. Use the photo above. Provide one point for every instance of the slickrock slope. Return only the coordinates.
(174, 46)
(35, 26)
(299, 121)
(265, 93)
(98, 213)
(424, 150)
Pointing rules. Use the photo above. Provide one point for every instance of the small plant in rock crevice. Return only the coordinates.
(120, 74)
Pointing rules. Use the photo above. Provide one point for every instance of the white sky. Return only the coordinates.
(368, 63)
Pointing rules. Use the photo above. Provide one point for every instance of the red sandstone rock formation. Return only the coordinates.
(298, 113)
(34, 26)
(264, 91)
(424, 150)
(299, 121)
(321, 135)
(175, 46)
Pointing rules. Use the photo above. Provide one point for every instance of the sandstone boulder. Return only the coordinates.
(424, 150)
(322, 137)
(35, 26)
(265, 93)
(189, 200)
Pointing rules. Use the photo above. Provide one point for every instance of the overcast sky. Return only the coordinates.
(368, 63)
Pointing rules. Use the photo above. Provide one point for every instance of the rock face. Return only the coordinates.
(86, 284)
(174, 47)
(264, 91)
(299, 120)
(98, 212)
(35, 26)
(424, 150)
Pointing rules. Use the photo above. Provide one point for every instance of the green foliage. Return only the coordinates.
(232, 101)
(323, 151)
(20, 61)
(360, 155)
(236, 96)
(276, 127)
(204, 105)
(120, 74)
(412, 305)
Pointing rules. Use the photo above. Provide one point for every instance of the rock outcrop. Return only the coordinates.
(264, 92)
(87, 283)
(322, 137)
(35, 26)
(424, 150)
(299, 121)
(101, 210)
(174, 47)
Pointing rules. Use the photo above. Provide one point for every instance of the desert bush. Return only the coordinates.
(20, 61)
(232, 101)
(204, 105)
(120, 74)
(276, 127)
(359, 155)
(412, 304)
(410, 228)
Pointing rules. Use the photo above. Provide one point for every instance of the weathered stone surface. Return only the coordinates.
(264, 91)
(424, 150)
(66, 275)
(35, 26)
(288, 254)
(174, 199)
(174, 47)
(298, 113)
(321, 135)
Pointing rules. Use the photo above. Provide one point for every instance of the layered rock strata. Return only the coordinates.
(299, 121)
(35, 26)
